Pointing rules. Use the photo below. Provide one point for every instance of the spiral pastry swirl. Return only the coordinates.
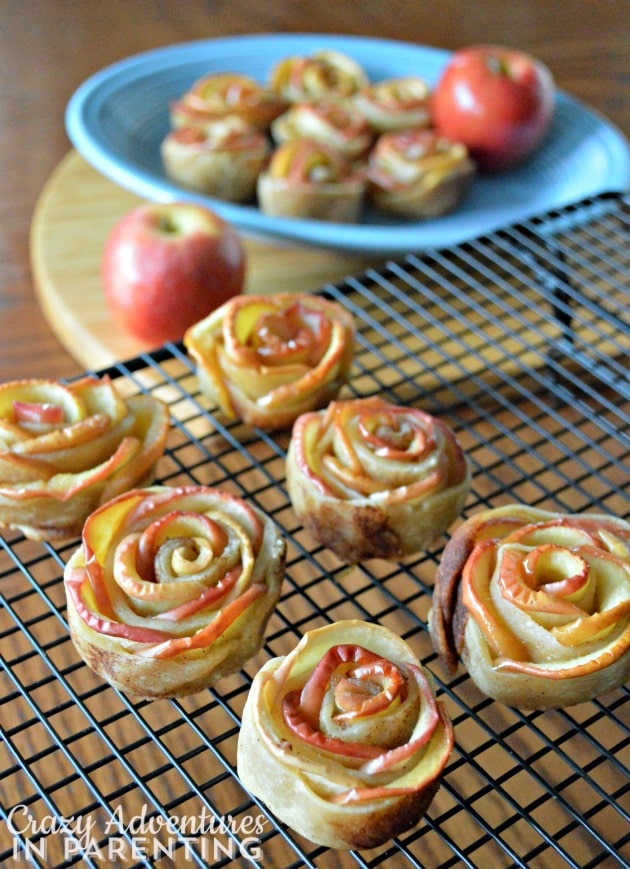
(322, 75)
(417, 173)
(309, 179)
(371, 479)
(331, 123)
(536, 605)
(171, 589)
(343, 738)
(226, 94)
(222, 160)
(64, 449)
(267, 359)
(395, 104)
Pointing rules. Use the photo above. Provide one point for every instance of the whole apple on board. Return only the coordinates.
(498, 101)
(166, 266)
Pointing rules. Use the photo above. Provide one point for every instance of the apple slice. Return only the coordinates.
(476, 598)
(43, 413)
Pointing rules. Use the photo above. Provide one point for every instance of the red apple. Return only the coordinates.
(499, 102)
(167, 266)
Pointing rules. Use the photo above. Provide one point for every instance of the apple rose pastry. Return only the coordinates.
(417, 173)
(267, 359)
(171, 589)
(332, 123)
(370, 479)
(395, 104)
(222, 160)
(308, 179)
(322, 75)
(217, 96)
(343, 738)
(536, 605)
(64, 449)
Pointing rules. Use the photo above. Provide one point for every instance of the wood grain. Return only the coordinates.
(74, 214)
(71, 41)
(77, 209)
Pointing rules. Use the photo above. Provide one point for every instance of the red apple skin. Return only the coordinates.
(167, 266)
(498, 101)
(29, 411)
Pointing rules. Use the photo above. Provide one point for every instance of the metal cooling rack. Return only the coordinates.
(519, 340)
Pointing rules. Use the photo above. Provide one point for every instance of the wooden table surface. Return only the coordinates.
(48, 47)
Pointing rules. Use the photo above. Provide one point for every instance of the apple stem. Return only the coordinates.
(497, 65)
(166, 224)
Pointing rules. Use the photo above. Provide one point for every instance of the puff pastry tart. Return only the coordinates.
(371, 479)
(267, 359)
(64, 449)
(332, 123)
(308, 179)
(171, 589)
(417, 173)
(536, 605)
(222, 160)
(343, 739)
(217, 96)
(322, 75)
(395, 104)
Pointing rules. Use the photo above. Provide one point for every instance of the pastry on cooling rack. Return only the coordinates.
(343, 738)
(536, 605)
(370, 479)
(66, 448)
(267, 359)
(226, 94)
(171, 589)
(417, 173)
(333, 123)
(394, 104)
(322, 75)
(222, 160)
(311, 180)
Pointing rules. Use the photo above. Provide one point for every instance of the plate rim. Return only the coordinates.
(382, 239)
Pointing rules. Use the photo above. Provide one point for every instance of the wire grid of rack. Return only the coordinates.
(519, 341)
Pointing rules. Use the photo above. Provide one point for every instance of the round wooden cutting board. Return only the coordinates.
(74, 214)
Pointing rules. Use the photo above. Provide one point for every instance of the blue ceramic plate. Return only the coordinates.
(118, 118)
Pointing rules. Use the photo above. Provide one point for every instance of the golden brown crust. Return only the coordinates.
(370, 479)
(267, 359)
(172, 588)
(418, 174)
(400, 103)
(343, 738)
(447, 616)
(332, 123)
(536, 605)
(217, 96)
(66, 448)
(360, 533)
(322, 75)
(222, 160)
(311, 180)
